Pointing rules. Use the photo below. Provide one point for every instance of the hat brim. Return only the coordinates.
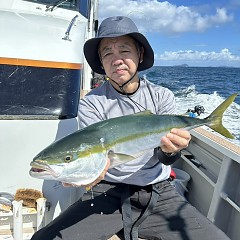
(91, 52)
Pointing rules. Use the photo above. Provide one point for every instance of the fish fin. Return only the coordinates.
(216, 117)
(143, 113)
(119, 158)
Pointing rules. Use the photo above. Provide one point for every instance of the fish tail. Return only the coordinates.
(215, 118)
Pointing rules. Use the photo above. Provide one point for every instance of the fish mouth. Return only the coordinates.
(41, 169)
(37, 170)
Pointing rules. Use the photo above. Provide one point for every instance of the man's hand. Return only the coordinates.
(99, 179)
(175, 141)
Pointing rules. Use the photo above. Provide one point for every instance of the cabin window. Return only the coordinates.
(79, 5)
(84, 7)
(40, 93)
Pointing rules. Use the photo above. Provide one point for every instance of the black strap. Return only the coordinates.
(151, 204)
(167, 160)
(126, 212)
(131, 230)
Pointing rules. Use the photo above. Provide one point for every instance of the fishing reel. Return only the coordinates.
(199, 109)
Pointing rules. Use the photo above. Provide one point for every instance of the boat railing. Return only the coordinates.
(67, 33)
(214, 166)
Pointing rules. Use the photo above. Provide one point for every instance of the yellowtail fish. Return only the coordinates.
(80, 157)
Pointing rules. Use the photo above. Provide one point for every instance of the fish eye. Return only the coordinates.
(68, 158)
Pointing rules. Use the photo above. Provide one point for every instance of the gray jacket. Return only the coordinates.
(105, 102)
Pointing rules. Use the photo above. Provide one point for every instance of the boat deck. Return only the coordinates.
(229, 145)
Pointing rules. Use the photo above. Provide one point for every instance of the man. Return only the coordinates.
(137, 196)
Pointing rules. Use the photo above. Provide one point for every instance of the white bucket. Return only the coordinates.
(181, 181)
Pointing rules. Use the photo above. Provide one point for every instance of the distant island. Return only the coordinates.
(181, 65)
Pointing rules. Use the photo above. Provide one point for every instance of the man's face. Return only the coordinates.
(120, 58)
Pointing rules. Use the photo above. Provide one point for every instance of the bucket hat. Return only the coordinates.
(116, 27)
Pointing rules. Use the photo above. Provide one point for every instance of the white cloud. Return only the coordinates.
(224, 57)
(164, 17)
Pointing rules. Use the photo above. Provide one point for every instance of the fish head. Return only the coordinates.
(70, 160)
(51, 163)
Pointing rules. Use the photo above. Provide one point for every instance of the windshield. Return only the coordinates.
(77, 5)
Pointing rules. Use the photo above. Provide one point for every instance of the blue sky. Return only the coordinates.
(197, 33)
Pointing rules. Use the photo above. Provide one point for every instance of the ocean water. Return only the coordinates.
(206, 86)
